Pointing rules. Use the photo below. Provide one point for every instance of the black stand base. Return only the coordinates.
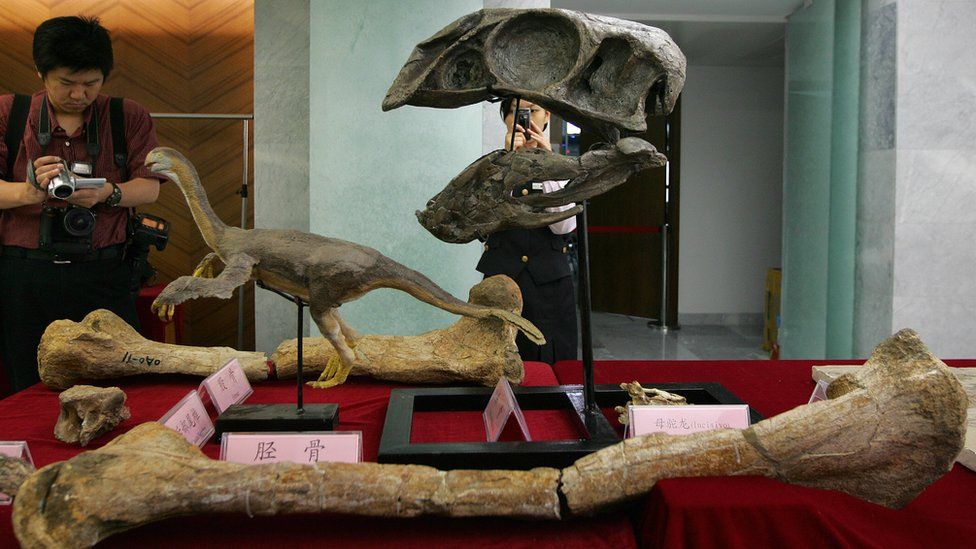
(277, 417)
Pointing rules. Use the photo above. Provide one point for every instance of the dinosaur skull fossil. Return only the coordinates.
(597, 72)
(589, 69)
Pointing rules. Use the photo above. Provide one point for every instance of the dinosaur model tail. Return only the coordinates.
(419, 286)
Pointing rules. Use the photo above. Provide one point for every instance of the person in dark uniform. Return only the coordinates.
(47, 274)
(537, 259)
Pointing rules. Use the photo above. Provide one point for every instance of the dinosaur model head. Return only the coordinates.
(161, 161)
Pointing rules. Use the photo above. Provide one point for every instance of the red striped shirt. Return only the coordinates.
(21, 226)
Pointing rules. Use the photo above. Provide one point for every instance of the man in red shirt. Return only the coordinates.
(43, 277)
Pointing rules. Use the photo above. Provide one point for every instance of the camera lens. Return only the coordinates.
(79, 222)
(61, 190)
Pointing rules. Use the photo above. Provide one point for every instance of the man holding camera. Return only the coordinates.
(64, 258)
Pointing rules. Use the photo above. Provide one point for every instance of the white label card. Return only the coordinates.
(190, 418)
(501, 407)
(819, 392)
(310, 447)
(684, 420)
(227, 386)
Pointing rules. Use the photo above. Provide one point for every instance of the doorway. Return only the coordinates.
(625, 231)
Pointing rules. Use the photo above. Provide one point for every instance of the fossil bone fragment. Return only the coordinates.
(151, 473)
(479, 201)
(640, 396)
(103, 346)
(13, 473)
(325, 272)
(592, 70)
(886, 433)
(89, 412)
(471, 350)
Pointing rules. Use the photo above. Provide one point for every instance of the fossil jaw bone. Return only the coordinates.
(479, 200)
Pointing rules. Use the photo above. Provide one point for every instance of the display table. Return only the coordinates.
(744, 511)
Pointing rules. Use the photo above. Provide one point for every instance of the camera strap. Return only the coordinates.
(120, 151)
(16, 122)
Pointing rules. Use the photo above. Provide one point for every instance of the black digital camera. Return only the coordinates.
(66, 231)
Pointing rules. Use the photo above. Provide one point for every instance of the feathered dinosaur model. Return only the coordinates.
(325, 272)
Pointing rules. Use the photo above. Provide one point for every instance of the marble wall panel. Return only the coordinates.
(280, 144)
(935, 225)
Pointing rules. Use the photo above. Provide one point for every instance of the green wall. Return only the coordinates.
(820, 180)
(369, 170)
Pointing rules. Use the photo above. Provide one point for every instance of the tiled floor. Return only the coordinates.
(624, 337)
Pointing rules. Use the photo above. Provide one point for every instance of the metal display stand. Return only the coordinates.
(282, 417)
(583, 402)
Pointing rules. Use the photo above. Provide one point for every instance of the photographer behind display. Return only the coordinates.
(536, 259)
(64, 233)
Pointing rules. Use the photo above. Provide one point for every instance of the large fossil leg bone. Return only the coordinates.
(886, 434)
(103, 346)
(151, 473)
(470, 350)
(325, 272)
(89, 412)
(479, 200)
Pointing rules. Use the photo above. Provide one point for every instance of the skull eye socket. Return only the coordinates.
(612, 78)
(533, 51)
(466, 70)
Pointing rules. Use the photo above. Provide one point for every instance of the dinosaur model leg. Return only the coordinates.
(338, 368)
(351, 335)
(205, 267)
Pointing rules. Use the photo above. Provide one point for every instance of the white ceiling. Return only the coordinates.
(709, 32)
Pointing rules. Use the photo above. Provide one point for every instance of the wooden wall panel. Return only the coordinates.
(171, 56)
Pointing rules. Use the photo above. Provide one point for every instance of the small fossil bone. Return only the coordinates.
(479, 201)
(640, 396)
(89, 412)
(103, 346)
(470, 350)
(151, 473)
(887, 433)
(13, 473)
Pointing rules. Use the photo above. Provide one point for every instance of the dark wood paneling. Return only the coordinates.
(625, 268)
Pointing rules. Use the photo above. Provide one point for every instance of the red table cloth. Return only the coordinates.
(726, 512)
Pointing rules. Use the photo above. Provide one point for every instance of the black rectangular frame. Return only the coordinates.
(395, 445)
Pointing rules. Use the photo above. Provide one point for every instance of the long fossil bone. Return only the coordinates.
(151, 473)
(897, 429)
(479, 200)
(103, 346)
(892, 430)
(470, 350)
